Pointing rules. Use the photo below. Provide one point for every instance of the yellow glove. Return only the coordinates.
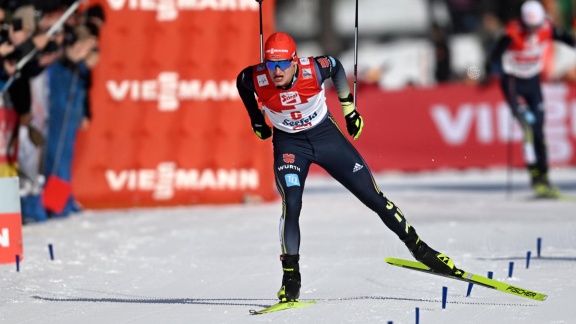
(354, 122)
(263, 131)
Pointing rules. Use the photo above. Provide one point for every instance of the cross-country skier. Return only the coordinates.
(520, 53)
(291, 91)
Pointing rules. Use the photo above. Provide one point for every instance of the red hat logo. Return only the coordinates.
(279, 46)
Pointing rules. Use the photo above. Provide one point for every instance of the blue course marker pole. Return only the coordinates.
(51, 250)
(17, 263)
(490, 274)
(470, 285)
(528, 259)
(538, 246)
(444, 295)
(510, 269)
(417, 315)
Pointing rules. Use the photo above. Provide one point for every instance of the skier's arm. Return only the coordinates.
(245, 86)
(330, 67)
(495, 55)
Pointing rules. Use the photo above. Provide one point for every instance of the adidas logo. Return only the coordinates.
(357, 167)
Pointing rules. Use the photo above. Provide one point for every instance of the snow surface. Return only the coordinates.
(212, 264)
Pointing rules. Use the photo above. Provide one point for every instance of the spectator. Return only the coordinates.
(69, 83)
(17, 41)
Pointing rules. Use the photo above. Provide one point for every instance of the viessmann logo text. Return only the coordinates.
(486, 124)
(166, 178)
(167, 10)
(168, 90)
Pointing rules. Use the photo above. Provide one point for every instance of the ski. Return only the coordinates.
(471, 278)
(560, 197)
(551, 193)
(282, 306)
(564, 197)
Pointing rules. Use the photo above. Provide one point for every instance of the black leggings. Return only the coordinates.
(328, 147)
(535, 154)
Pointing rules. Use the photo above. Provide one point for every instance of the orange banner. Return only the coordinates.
(168, 125)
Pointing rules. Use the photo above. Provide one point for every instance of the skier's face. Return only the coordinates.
(281, 71)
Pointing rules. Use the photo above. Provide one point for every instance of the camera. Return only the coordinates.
(4, 31)
(17, 24)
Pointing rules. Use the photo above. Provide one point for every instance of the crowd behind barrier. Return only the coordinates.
(45, 79)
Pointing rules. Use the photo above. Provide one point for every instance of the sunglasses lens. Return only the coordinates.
(283, 65)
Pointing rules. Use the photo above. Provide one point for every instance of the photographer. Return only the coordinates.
(18, 40)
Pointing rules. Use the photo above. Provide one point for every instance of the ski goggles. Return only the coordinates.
(283, 65)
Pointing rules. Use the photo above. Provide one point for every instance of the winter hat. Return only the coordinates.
(532, 13)
(279, 46)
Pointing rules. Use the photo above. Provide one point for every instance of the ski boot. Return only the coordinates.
(542, 186)
(436, 261)
(535, 175)
(290, 290)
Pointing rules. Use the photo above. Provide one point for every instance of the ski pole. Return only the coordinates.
(261, 32)
(355, 51)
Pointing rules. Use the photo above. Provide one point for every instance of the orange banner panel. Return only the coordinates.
(10, 237)
(168, 125)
